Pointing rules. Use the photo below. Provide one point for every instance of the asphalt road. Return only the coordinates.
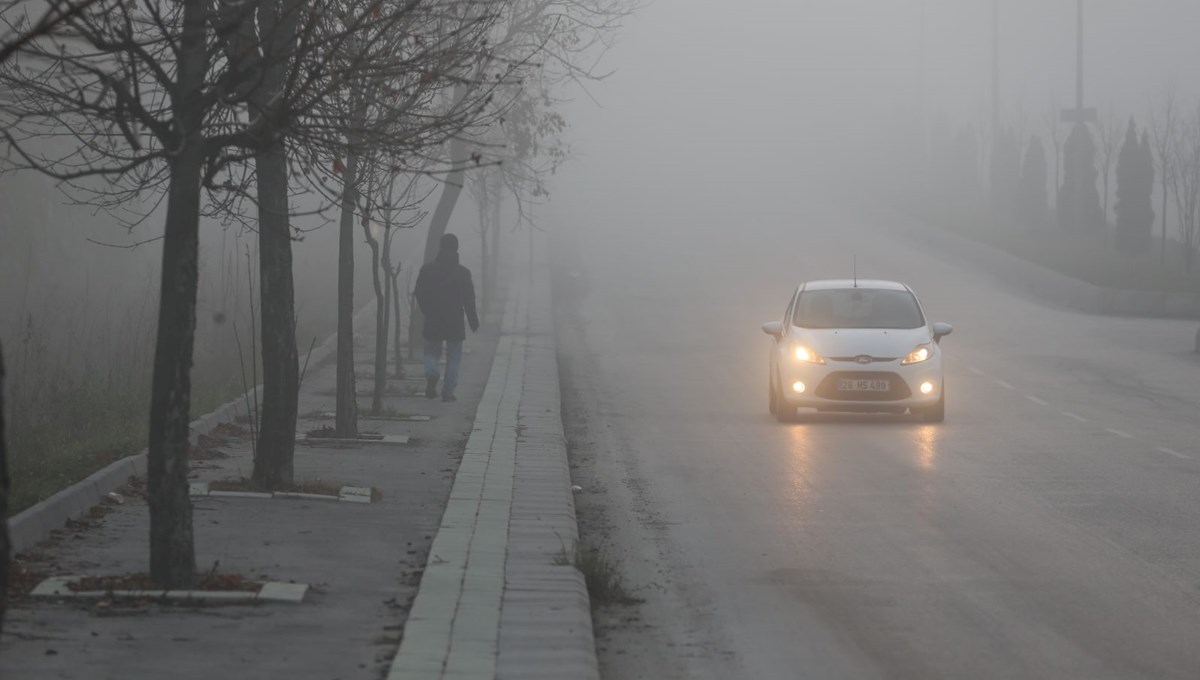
(1048, 529)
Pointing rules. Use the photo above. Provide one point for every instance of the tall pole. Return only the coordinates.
(921, 66)
(1079, 60)
(995, 71)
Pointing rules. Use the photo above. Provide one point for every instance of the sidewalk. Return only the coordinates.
(480, 538)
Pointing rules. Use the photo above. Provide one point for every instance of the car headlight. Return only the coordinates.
(803, 353)
(919, 354)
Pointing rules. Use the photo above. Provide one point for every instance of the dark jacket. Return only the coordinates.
(445, 292)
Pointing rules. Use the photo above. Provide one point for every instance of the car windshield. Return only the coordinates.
(857, 308)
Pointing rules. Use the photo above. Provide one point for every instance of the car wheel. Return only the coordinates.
(772, 396)
(937, 412)
(784, 412)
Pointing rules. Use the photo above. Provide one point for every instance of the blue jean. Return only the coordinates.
(433, 353)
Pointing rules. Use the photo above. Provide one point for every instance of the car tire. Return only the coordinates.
(784, 412)
(772, 396)
(937, 412)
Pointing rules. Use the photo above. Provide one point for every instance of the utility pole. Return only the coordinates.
(1079, 114)
(1079, 57)
(921, 66)
(921, 119)
(995, 72)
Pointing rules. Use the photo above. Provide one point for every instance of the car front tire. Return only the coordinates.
(772, 396)
(784, 412)
(937, 412)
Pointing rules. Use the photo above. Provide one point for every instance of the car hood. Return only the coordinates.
(851, 342)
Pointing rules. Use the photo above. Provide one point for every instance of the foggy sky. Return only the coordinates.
(738, 100)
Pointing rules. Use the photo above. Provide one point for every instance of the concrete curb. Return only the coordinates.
(1053, 288)
(272, 591)
(34, 524)
(493, 602)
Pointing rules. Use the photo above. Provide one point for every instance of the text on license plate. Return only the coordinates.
(864, 385)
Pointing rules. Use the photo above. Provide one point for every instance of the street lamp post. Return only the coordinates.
(995, 71)
(1079, 114)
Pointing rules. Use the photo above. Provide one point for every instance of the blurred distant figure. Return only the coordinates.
(445, 293)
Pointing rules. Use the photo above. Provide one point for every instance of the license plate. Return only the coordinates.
(864, 385)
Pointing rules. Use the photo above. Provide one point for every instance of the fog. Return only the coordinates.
(714, 115)
(730, 151)
(730, 101)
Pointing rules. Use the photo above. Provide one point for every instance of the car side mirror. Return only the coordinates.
(774, 329)
(941, 330)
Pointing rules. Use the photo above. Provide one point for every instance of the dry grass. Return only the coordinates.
(79, 397)
(1088, 257)
(314, 486)
(601, 574)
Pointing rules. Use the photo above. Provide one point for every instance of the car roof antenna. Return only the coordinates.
(856, 270)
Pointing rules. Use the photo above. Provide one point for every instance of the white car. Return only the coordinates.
(856, 346)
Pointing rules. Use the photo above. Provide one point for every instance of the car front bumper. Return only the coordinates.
(821, 383)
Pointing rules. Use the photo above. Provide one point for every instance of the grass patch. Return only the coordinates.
(209, 581)
(77, 428)
(328, 432)
(1090, 257)
(601, 574)
(385, 413)
(314, 486)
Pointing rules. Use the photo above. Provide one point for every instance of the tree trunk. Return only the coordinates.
(4, 546)
(172, 552)
(1162, 246)
(451, 189)
(281, 363)
(380, 324)
(381, 339)
(172, 560)
(346, 421)
(484, 259)
(494, 267)
(398, 357)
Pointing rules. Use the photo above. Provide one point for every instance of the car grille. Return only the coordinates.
(855, 359)
(828, 389)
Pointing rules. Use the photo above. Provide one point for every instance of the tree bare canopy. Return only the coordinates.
(546, 44)
(104, 83)
(124, 100)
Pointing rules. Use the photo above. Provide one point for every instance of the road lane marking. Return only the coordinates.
(1039, 402)
(1119, 433)
(1172, 453)
(974, 370)
(1004, 384)
(1074, 416)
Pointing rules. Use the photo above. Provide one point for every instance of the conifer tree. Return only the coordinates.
(1135, 184)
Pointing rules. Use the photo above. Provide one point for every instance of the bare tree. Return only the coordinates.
(20, 29)
(555, 40)
(384, 217)
(5, 549)
(1186, 186)
(148, 98)
(529, 148)
(1054, 133)
(1163, 132)
(402, 111)
(1110, 132)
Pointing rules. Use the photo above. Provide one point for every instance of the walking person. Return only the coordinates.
(445, 294)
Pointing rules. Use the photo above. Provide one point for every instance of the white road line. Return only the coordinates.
(1039, 402)
(1118, 433)
(974, 370)
(1073, 416)
(1004, 384)
(1172, 453)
